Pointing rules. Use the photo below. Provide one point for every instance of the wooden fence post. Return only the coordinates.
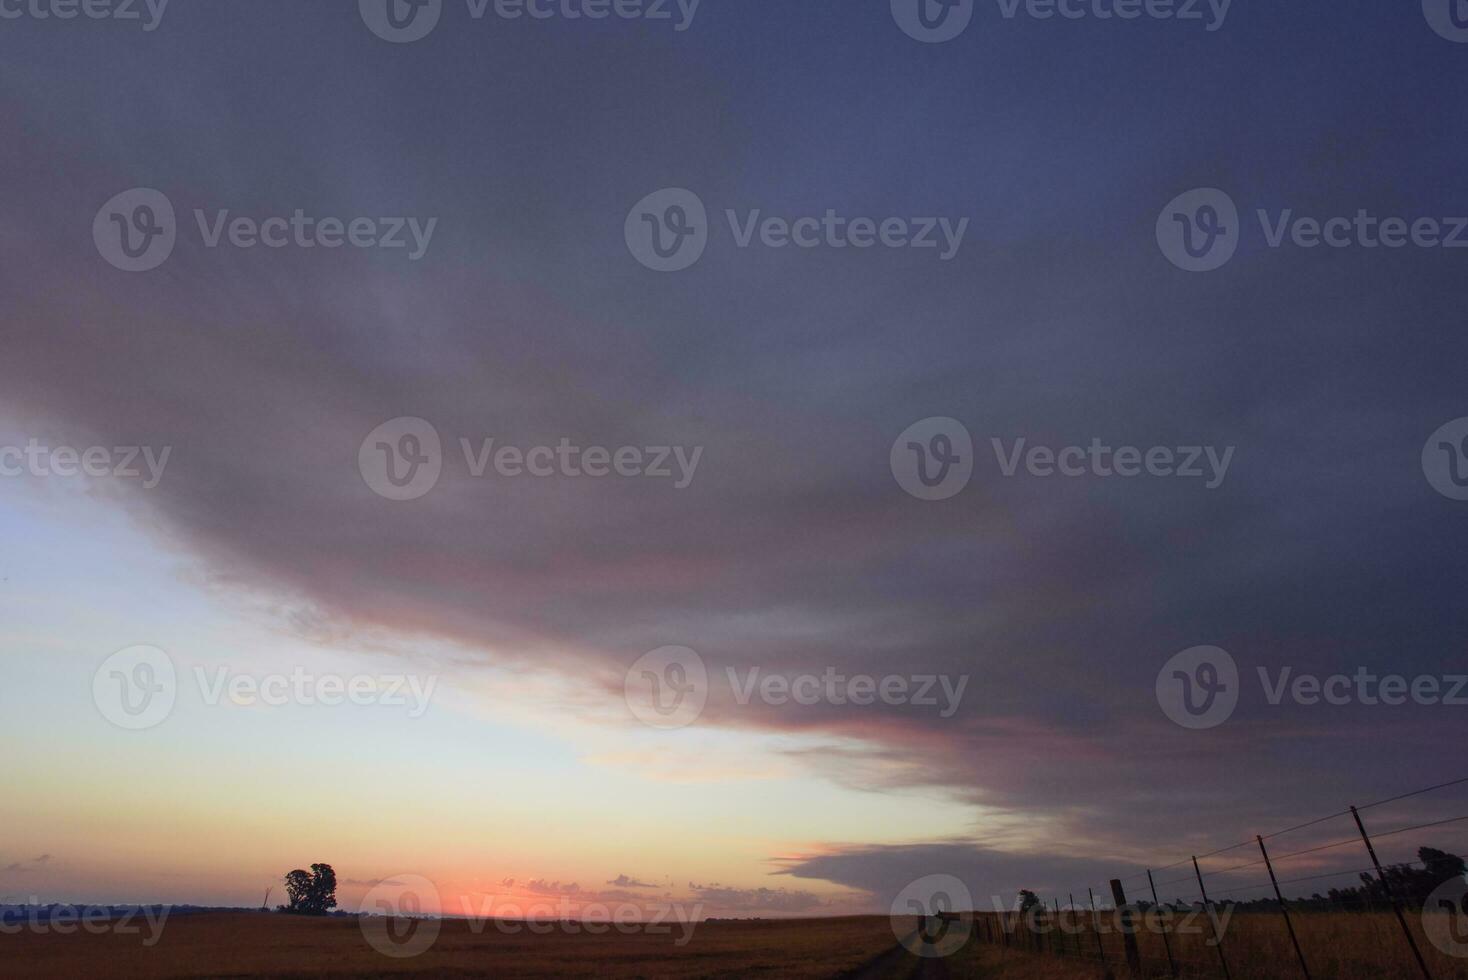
(1128, 937)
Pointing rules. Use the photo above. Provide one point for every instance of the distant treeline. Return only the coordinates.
(1409, 884)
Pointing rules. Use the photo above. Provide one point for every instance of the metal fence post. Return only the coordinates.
(1284, 909)
(1217, 938)
(1059, 932)
(1391, 896)
(1079, 945)
(1096, 928)
(1162, 923)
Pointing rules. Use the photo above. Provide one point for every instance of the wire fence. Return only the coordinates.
(1230, 913)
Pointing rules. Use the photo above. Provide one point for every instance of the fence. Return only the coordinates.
(1140, 926)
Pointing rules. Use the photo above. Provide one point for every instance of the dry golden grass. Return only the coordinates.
(265, 945)
(1344, 946)
(1338, 946)
(992, 963)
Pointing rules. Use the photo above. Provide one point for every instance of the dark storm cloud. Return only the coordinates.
(793, 549)
(884, 871)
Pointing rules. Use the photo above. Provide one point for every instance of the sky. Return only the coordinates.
(769, 399)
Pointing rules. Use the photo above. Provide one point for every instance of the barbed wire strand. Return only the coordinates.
(1302, 826)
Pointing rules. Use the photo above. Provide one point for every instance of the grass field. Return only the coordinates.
(1337, 945)
(1347, 946)
(266, 945)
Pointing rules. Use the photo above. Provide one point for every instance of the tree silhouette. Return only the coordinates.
(311, 892)
(1409, 884)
